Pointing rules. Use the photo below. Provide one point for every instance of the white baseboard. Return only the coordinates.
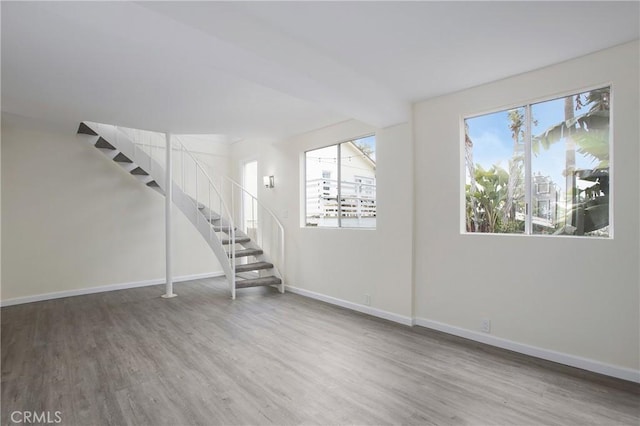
(559, 357)
(353, 306)
(101, 289)
(549, 355)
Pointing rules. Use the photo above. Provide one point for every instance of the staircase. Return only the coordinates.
(215, 212)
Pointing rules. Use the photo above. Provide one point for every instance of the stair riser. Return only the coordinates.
(258, 266)
(240, 254)
(238, 241)
(260, 282)
(224, 229)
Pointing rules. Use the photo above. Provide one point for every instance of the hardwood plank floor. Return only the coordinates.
(131, 358)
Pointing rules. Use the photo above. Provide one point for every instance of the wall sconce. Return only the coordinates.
(268, 181)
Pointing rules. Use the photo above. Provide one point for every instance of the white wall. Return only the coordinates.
(73, 219)
(212, 155)
(590, 308)
(344, 263)
(0, 216)
(211, 151)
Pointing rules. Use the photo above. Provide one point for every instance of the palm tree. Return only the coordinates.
(516, 124)
(589, 132)
(595, 142)
(570, 160)
(472, 213)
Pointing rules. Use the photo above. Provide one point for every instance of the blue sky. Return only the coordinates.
(369, 141)
(492, 142)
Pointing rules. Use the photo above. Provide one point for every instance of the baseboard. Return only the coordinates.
(104, 288)
(353, 306)
(549, 355)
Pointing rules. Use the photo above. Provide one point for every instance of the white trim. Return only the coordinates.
(353, 306)
(549, 355)
(538, 100)
(528, 154)
(104, 288)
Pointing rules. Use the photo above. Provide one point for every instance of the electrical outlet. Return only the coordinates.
(485, 325)
(367, 299)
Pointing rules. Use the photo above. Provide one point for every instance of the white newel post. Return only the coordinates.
(167, 217)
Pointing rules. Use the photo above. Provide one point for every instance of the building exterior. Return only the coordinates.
(545, 201)
(356, 175)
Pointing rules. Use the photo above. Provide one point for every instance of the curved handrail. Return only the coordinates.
(137, 138)
(267, 209)
(275, 220)
(231, 214)
(225, 210)
(188, 190)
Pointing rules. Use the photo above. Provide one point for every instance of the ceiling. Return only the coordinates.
(271, 69)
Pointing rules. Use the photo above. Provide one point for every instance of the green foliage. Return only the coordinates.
(364, 148)
(489, 202)
(493, 194)
(594, 144)
(598, 98)
(511, 227)
(589, 131)
(516, 124)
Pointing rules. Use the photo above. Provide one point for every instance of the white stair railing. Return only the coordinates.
(219, 214)
(259, 223)
(207, 201)
(193, 190)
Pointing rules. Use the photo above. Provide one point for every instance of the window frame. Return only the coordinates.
(527, 104)
(303, 223)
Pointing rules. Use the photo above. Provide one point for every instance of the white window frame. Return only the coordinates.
(528, 181)
(303, 221)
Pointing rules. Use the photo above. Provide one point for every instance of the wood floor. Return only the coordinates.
(130, 357)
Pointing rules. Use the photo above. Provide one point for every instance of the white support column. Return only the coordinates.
(167, 217)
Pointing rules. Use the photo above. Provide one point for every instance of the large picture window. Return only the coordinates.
(542, 168)
(341, 185)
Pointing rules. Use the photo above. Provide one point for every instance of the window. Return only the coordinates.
(542, 168)
(542, 188)
(341, 185)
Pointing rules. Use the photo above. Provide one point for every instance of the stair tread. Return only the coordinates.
(139, 171)
(102, 143)
(239, 240)
(206, 213)
(255, 266)
(256, 282)
(86, 130)
(247, 252)
(121, 158)
(225, 229)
